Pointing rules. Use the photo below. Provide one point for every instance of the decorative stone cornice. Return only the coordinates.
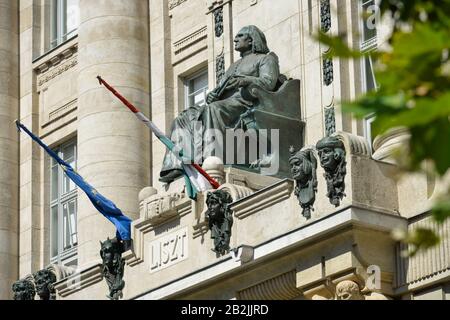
(57, 64)
(281, 287)
(262, 199)
(181, 45)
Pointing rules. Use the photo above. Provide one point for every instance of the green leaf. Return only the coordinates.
(338, 48)
(441, 210)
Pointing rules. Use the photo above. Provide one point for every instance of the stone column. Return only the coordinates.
(9, 145)
(113, 146)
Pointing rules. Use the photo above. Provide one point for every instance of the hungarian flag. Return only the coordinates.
(102, 204)
(195, 177)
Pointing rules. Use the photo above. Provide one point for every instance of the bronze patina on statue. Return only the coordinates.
(113, 267)
(202, 129)
(23, 290)
(303, 168)
(220, 219)
(331, 151)
(44, 280)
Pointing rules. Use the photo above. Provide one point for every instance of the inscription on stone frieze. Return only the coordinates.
(168, 250)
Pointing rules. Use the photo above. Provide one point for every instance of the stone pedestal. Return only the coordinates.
(9, 174)
(113, 144)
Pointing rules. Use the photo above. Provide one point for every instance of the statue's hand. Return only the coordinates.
(244, 81)
(211, 97)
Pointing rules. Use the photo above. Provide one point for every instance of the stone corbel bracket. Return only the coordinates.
(281, 287)
(363, 176)
(56, 65)
(354, 145)
(200, 226)
(262, 199)
(154, 210)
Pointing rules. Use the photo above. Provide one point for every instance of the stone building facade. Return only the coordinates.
(164, 56)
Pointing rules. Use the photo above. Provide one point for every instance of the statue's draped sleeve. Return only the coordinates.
(269, 72)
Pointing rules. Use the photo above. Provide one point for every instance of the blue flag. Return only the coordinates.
(102, 204)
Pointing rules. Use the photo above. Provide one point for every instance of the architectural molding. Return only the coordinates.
(262, 199)
(56, 64)
(175, 3)
(313, 232)
(282, 287)
(183, 44)
(354, 145)
(425, 267)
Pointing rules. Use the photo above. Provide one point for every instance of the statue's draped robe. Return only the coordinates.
(262, 69)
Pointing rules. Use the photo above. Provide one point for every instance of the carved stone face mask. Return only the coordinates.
(348, 290)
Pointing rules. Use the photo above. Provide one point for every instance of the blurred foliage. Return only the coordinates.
(413, 79)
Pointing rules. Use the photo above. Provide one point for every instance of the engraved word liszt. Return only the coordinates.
(168, 250)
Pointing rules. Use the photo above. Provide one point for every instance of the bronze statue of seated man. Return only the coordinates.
(226, 103)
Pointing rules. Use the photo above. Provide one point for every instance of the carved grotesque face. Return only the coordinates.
(329, 159)
(23, 290)
(44, 280)
(348, 290)
(214, 208)
(107, 253)
(242, 41)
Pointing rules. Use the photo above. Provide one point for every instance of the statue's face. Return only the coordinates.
(242, 42)
(214, 208)
(22, 291)
(108, 253)
(41, 283)
(328, 158)
(348, 290)
(297, 168)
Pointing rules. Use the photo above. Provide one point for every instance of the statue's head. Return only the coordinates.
(44, 280)
(250, 38)
(348, 290)
(110, 248)
(23, 290)
(331, 152)
(303, 164)
(217, 202)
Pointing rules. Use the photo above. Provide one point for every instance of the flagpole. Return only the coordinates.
(169, 143)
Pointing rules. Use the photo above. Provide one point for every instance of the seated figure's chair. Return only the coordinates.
(279, 109)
